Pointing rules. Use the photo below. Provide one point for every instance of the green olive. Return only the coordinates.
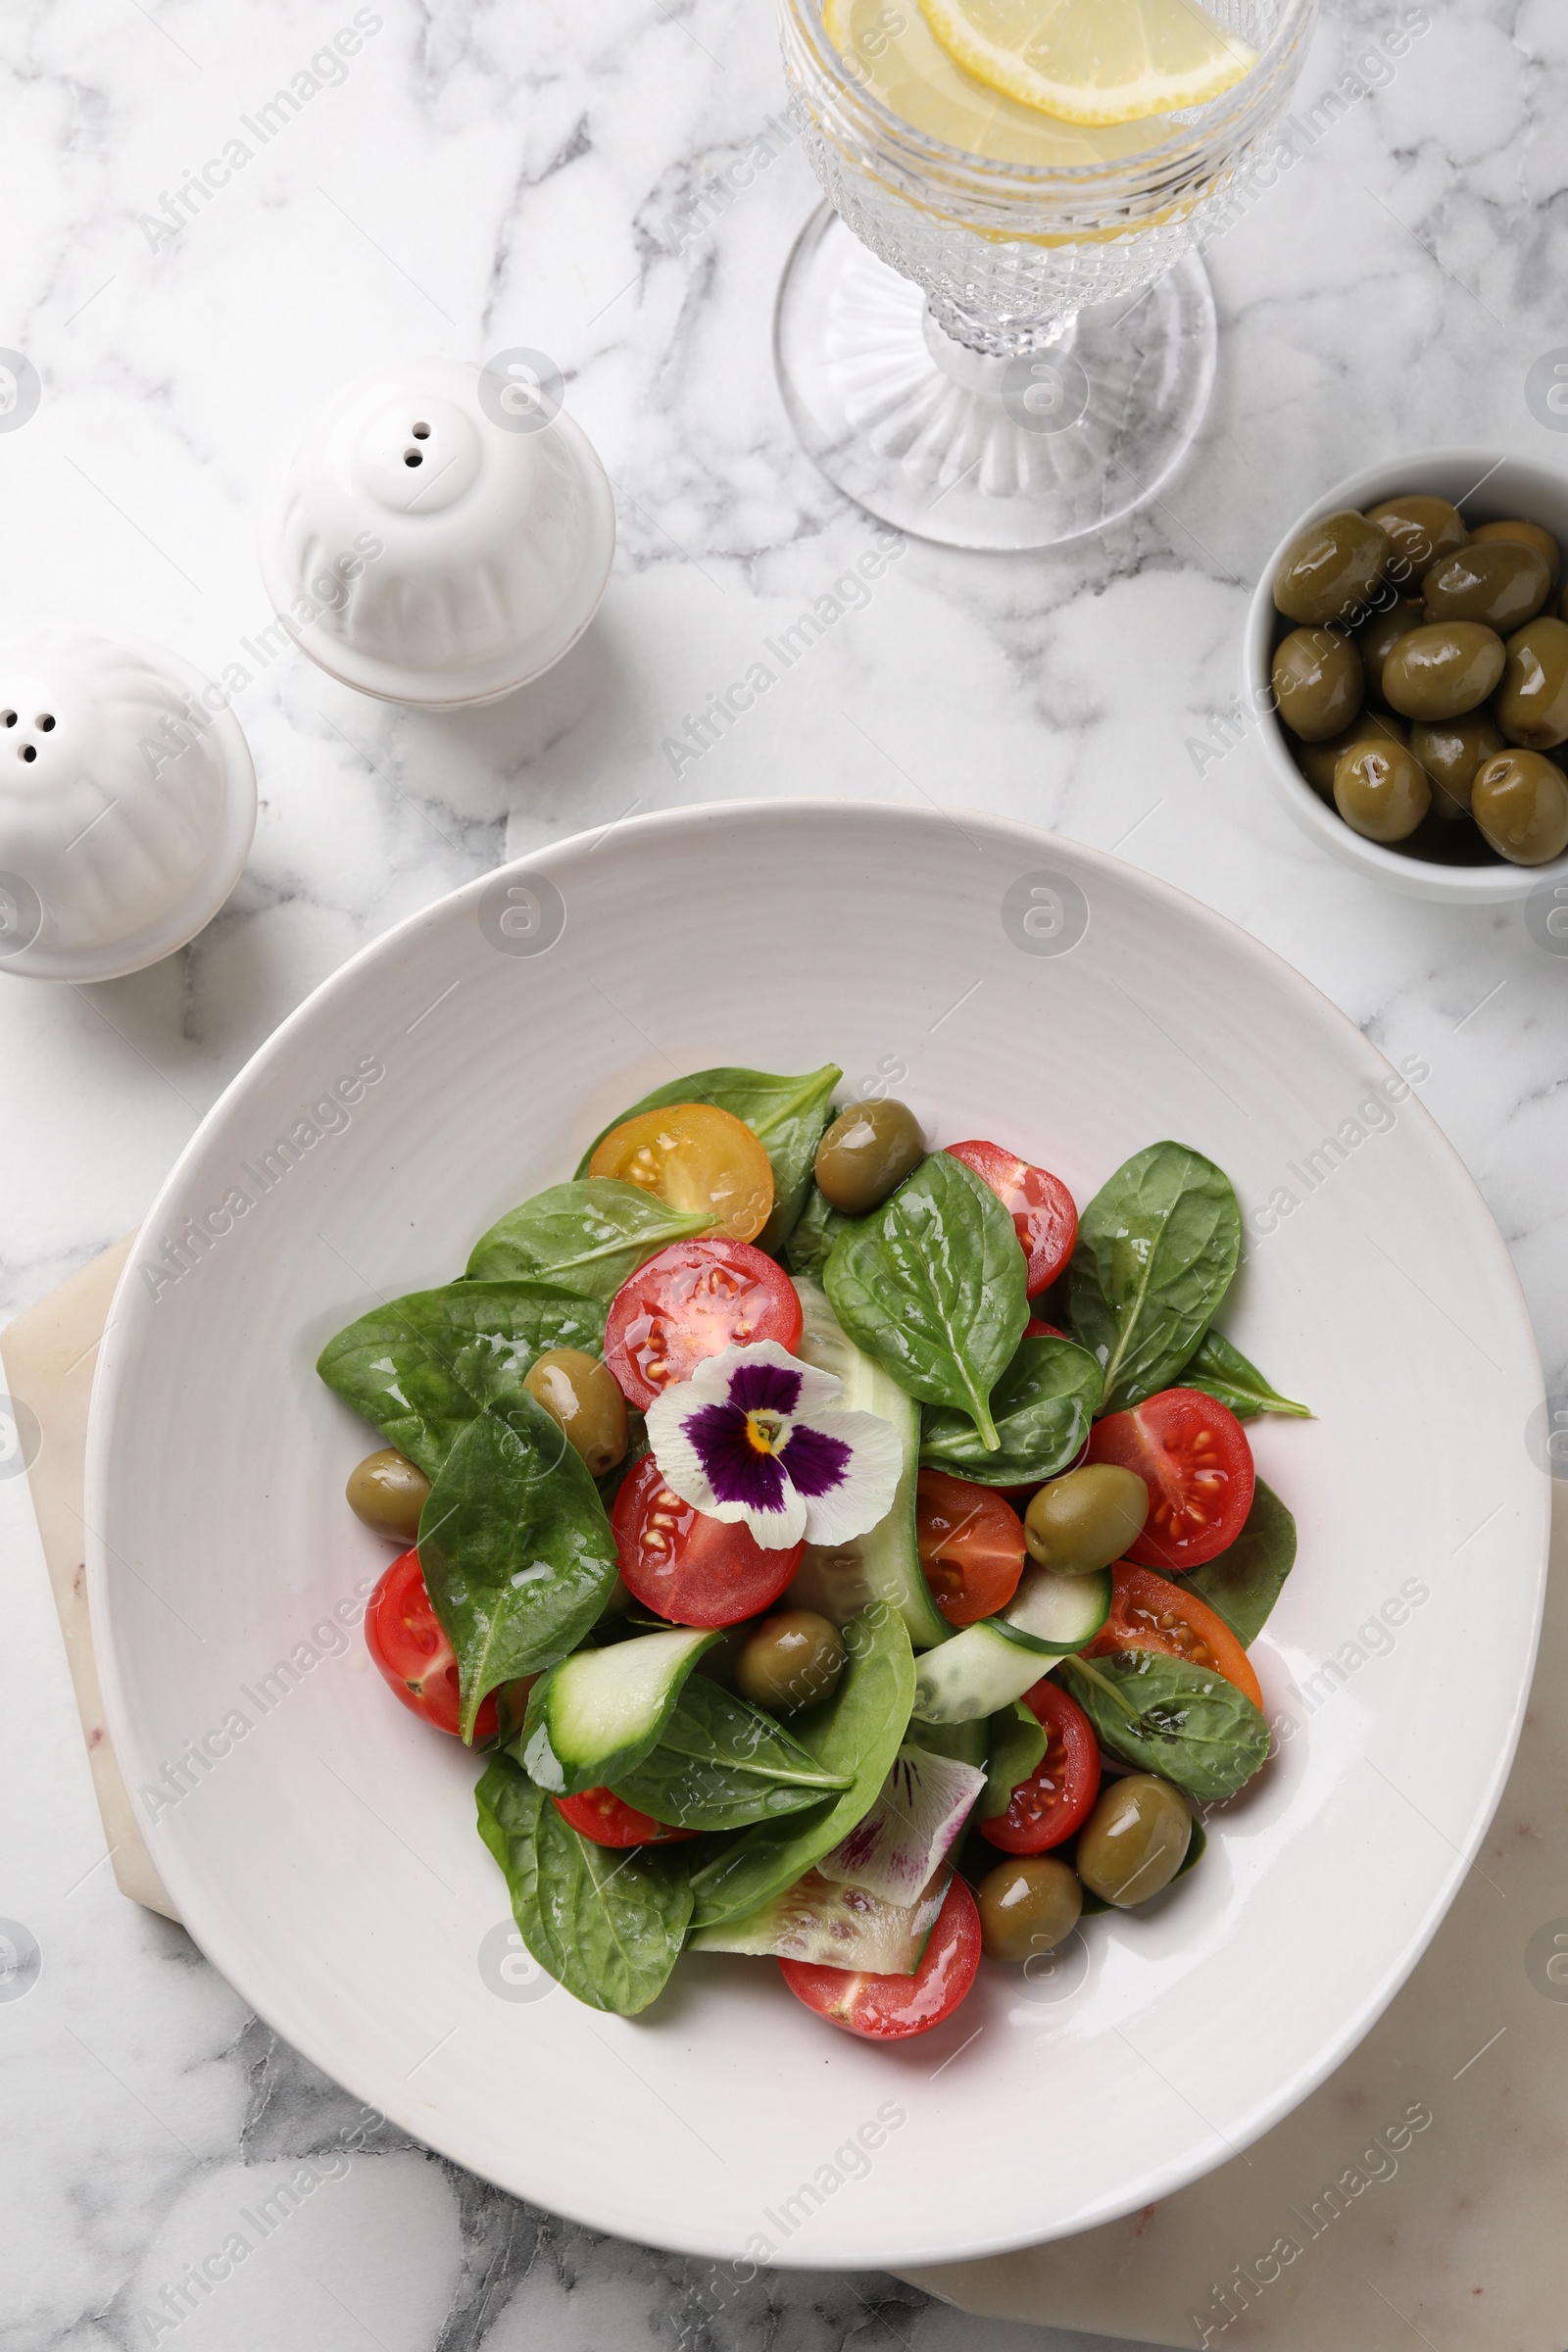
(1135, 1840)
(866, 1154)
(1445, 669)
(1318, 682)
(1331, 568)
(1528, 534)
(1532, 706)
(1520, 802)
(1318, 760)
(1383, 633)
(1420, 528)
(1501, 581)
(387, 1491)
(1381, 791)
(1027, 1905)
(580, 1396)
(1451, 750)
(1085, 1519)
(791, 1661)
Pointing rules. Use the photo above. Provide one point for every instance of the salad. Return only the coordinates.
(845, 1552)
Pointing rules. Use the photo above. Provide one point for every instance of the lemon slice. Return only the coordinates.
(1093, 61)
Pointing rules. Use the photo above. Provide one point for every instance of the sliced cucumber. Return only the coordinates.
(884, 1565)
(596, 1715)
(1056, 1614)
(833, 1927)
(974, 1674)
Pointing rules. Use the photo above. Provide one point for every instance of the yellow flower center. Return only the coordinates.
(763, 1432)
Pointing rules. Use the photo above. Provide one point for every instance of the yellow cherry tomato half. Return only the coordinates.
(697, 1158)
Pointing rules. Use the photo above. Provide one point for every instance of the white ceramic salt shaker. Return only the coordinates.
(437, 533)
(127, 803)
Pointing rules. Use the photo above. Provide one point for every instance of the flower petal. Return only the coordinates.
(861, 1495)
(715, 1377)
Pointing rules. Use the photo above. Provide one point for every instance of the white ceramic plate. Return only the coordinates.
(328, 1862)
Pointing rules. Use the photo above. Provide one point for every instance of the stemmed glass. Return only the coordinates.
(1007, 354)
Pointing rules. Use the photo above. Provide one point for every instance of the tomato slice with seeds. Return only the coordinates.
(408, 1642)
(696, 1158)
(691, 1300)
(687, 1566)
(606, 1818)
(1191, 1454)
(1058, 1795)
(881, 2008)
(1044, 1215)
(971, 1546)
(1150, 1612)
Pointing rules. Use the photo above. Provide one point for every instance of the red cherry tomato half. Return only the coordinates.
(1191, 1454)
(1150, 1612)
(691, 1300)
(891, 2008)
(689, 1567)
(972, 1547)
(600, 1815)
(1060, 1794)
(406, 1639)
(1034, 1329)
(1041, 1208)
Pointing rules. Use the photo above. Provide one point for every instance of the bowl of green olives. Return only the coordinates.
(1406, 658)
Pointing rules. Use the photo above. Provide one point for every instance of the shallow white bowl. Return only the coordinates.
(329, 1864)
(1487, 488)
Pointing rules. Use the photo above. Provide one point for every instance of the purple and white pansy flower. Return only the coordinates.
(753, 1436)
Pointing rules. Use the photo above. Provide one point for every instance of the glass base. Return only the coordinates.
(970, 451)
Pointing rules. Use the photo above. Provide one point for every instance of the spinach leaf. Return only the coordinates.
(857, 1731)
(1223, 1371)
(1156, 1249)
(586, 1237)
(1017, 1743)
(720, 1764)
(1041, 1406)
(423, 1367)
(809, 1246)
(787, 1115)
(1184, 1722)
(606, 1923)
(1243, 1582)
(931, 1284)
(517, 1554)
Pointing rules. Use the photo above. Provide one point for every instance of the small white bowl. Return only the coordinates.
(127, 803)
(437, 534)
(1487, 488)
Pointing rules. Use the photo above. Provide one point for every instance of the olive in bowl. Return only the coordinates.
(1452, 675)
(866, 1154)
(1320, 681)
(1520, 801)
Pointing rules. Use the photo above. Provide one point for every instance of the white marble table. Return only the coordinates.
(488, 175)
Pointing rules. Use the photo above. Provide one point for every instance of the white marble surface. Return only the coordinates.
(488, 175)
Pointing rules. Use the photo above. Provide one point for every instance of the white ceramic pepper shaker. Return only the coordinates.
(437, 533)
(127, 803)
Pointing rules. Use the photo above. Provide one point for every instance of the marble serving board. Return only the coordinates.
(1414, 2197)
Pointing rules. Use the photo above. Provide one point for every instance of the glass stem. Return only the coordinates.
(980, 372)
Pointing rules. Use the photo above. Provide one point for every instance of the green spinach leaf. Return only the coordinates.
(604, 1923)
(587, 1237)
(1244, 1583)
(1186, 1723)
(1223, 1371)
(932, 1285)
(1156, 1249)
(787, 1115)
(856, 1733)
(423, 1367)
(1042, 1407)
(517, 1554)
(721, 1764)
(1016, 1745)
(810, 1245)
